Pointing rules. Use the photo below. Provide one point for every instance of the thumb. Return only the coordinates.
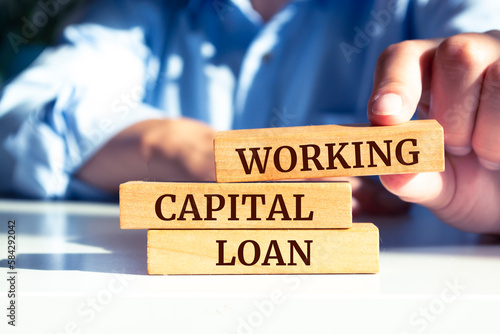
(401, 74)
(433, 190)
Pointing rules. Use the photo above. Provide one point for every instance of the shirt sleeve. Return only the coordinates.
(77, 96)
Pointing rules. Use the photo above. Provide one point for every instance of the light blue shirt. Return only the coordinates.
(128, 61)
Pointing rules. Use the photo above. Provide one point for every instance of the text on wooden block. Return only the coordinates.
(328, 150)
(353, 250)
(170, 205)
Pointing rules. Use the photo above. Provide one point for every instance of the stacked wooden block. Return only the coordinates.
(277, 227)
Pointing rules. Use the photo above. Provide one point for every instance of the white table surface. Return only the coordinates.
(79, 273)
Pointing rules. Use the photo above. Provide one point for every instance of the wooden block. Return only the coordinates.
(207, 252)
(328, 150)
(272, 205)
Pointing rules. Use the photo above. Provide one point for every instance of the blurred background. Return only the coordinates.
(27, 27)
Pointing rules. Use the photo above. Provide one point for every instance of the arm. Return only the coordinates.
(80, 94)
(159, 150)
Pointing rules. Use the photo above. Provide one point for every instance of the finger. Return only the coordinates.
(486, 139)
(372, 198)
(433, 190)
(401, 73)
(457, 77)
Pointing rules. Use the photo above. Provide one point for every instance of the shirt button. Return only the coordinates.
(267, 57)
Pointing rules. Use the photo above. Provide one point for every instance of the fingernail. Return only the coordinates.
(458, 150)
(489, 164)
(388, 104)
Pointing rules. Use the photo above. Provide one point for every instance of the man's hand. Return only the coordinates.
(160, 150)
(457, 82)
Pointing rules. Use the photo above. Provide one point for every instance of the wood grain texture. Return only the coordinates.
(150, 205)
(328, 150)
(185, 252)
